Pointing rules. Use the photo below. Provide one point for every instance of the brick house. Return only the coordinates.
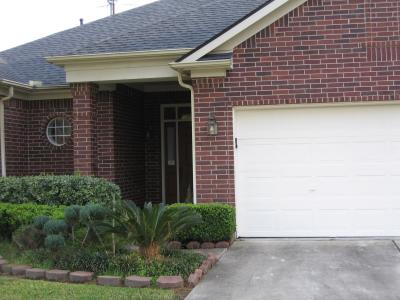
(286, 108)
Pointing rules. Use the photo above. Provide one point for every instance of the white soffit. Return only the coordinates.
(113, 67)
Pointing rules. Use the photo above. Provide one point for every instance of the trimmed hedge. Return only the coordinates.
(218, 223)
(12, 216)
(58, 190)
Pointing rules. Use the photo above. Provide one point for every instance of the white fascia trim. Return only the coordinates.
(200, 69)
(106, 57)
(246, 23)
(207, 64)
(27, 92)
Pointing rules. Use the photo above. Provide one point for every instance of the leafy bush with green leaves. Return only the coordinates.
(71, 217)
(28, 237)
(172, 263)
(58, 190)
(85, 259)
(152, 226)
(92, 212)
(13, 216)
(218, 223)
(54, 242)
(90, 216)
(55, 227)
(40, 221)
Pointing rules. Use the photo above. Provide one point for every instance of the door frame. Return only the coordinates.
(163, 121)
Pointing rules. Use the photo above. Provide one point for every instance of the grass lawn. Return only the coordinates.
(16, 289)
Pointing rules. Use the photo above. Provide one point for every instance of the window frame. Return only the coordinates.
(52, 124)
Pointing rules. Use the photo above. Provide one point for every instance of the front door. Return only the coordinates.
(177, 171)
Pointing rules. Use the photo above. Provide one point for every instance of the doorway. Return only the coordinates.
(176, 153)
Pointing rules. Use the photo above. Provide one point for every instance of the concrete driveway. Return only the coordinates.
(305, 270)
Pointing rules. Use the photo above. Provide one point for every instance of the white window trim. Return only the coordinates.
(66, 124)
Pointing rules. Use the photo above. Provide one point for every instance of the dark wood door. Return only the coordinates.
(185, 162)
(170, 163)
(178, 166)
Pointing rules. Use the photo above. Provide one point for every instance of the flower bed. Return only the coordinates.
(93, 242)
(175, 270)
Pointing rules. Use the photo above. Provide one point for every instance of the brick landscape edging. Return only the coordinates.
(193, 245)
(163, 282)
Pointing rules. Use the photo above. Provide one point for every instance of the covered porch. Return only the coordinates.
(132, 123)
(138, 135)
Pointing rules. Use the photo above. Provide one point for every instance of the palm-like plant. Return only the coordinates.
(153, 226)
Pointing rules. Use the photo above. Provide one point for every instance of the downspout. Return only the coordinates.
(2, 131)
(190, 88)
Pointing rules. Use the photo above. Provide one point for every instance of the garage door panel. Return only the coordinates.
(257, 186)
(359, 187)
(275, 222)
(279, 203)
(329, 171)
(395, 154)
(340, 170)
(253, 151)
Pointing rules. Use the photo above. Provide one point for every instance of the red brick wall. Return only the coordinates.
(84, 116)
(42, 156)
(105, 135)
(109, 137)
(324, 51)
(129, 143)
(16, 139)
(28, 152)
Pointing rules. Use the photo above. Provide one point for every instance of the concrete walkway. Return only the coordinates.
(305, 270)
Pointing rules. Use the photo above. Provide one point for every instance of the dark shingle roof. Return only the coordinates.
(164, 24)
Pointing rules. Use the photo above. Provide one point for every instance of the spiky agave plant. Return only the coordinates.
(153, 226)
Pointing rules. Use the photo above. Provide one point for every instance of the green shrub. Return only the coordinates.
(172, 263)
(12, 216)
(78, 259)
(218, 223)
(28, 237)
(40, 221)
(92, 212)
(58, 190)
(152, 226)
(71, 215)
(55, 227)
(54, 242)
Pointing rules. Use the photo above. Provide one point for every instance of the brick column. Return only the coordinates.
(106, 160)
(84, 130)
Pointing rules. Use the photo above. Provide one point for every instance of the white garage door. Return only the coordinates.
(318, 172)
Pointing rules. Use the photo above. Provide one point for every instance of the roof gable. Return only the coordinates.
(243, 29)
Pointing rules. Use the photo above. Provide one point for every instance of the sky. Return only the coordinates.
(23, 21)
